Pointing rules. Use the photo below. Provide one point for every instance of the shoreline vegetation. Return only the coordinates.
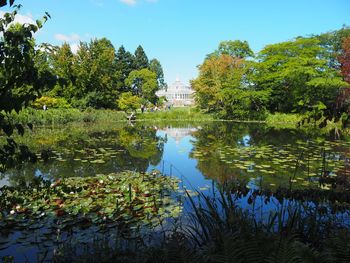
(72, 115)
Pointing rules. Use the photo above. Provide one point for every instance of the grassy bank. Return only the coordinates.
(64, 116)
(176, 114)
(188, 114)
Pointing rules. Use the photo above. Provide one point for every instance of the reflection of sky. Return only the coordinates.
(176, 160)
(4, 182)
(246, 140)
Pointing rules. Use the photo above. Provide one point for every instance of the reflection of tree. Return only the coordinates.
(141, 142)
(230, 151)
(209, 140)
(96, 152)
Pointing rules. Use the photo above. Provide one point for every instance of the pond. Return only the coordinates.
(202, 156)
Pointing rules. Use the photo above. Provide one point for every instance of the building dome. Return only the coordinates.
(178, 94)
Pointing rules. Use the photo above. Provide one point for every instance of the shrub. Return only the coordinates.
(51, 102)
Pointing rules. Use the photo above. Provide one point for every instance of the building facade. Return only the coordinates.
(178, 94)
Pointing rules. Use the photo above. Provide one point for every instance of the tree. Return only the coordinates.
(233, 48)
(222, 87)
(128, 102)
(331, 43)
(156, 67)
(95, 75)
(141, 60)
(5, 2)
(62, 63)
(19, 78)
(124, 62)
(297, 75)
(19, 81)
(144, 84)
(43, 63)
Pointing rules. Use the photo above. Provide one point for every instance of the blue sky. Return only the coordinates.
(181, 32)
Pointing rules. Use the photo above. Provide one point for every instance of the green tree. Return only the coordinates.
(233, 48)
(128, 102)
(62, 63)
(43, 63)
(331, 42)
(124, 62)
(223, 87)
(96, 76)
(19, 81)
(156, 67)
(297, 75)
(140, 60)
(144, 84)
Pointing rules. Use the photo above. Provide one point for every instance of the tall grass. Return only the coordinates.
(218, 230)
(176, 114)
(64, 116)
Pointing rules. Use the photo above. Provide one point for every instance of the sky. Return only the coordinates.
(180, 33)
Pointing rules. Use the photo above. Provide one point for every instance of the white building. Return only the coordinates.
(178, 94)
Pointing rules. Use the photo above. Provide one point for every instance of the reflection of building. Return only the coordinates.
(178, 133)
(178, 94)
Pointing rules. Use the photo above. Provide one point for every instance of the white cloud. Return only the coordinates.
(129, 2)
(72, 40)
(134, 2)
(22, 19)
(67, 38)
(98, 3)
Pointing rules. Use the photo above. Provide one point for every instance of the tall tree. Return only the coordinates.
(95, 74)
(141, 60)
(124, 62)
(156, 67)
(62, 62)
(43, 63)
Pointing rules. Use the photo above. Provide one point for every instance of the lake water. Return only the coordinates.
(200, 153)
(203, 156)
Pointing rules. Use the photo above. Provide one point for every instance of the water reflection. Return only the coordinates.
(178, 134)
(255, 154)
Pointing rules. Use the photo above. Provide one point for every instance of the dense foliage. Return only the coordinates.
(44, 76)
(308, 75)
(97, 75)
(94, 76)
(20, 81)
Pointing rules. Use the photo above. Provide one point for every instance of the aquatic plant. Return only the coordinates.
(47, 214)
